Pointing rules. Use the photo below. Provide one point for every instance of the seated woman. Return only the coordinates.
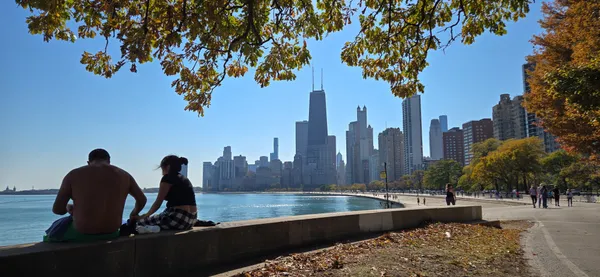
(181, 211)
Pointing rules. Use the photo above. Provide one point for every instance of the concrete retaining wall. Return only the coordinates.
(182, 253)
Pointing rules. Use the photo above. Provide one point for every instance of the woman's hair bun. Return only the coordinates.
(183, 160)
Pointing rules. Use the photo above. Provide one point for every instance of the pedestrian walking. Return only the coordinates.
(545, 197)
(556, 196)
(539, 195)
(569, 198)
(418, 201)
(550, 195)
(450, 198)
(423, 201)
(533, 194)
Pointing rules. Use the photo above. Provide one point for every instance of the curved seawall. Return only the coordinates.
(186, 252)
(381, 197)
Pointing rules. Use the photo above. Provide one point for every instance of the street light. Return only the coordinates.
(382, 175)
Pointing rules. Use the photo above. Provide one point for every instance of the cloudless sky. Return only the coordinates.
(53, 112)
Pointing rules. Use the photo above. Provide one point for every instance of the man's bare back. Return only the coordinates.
(99, 191)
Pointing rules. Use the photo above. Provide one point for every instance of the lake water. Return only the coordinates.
(24, 218)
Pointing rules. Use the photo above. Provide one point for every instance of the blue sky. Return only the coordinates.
(53, 112)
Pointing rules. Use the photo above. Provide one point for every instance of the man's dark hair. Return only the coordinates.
(98, 155)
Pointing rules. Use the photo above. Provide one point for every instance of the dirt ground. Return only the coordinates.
(435, 250)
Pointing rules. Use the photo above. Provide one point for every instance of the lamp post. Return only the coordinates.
(387, 196)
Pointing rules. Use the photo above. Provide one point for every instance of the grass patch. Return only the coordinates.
(435, 250)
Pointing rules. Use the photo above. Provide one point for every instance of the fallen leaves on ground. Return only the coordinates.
(435, 250)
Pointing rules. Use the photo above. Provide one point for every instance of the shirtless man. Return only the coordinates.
(99, 191)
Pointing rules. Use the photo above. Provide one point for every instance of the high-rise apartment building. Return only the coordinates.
(436, 148)
(359, 148)
(413, 134)
(444, 123)
(240, 166)
(276, 167)
(352, 153)
(263, 161)
(375, 168)
(227, 153)
(275, 154)
(287, 175)
(301, 138)
(519, 117)
(330, 164)
(391, 151)
(476, 131)
(341, 171)
(509, 118)
(533, 123)
(454, 146)
(207, 175)
(298, 172)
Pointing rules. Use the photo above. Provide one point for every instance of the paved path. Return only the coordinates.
(565, 241)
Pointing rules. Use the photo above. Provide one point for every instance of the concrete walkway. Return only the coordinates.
(565, 241)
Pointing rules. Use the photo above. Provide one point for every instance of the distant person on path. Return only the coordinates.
(533, 194)
(550, 195)
(98, 191)
(545, 197)
(556, 193)
(181, 211)
(569, 198)
(423, 201)
(418, 201)
(450, 198)
(539, 195)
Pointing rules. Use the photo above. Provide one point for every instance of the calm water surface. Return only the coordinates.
(24, 218)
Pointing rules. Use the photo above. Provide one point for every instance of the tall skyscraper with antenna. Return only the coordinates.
(320, 152)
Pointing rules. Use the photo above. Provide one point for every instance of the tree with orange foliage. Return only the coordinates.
(565, 84)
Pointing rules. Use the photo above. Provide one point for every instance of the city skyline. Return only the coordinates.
(47, 138)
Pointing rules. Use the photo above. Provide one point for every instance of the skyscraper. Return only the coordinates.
(359, 148)
(275, 154)
(509, 118)
(338, 160)
(533, 123)
(352, 153)
(476, 131)
(413, 134)
(435, 140)
(224, 168)
(317, 119)
(264, 161)
(301, 138)
(391, 151)
(444, 123)
(227, 153)
(454, 145)
(519, 117)
(207, 175)
(240, 166)
(375, 168)
(341, 171)
(320, 152)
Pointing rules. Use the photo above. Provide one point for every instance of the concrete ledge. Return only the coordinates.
(183, 253)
